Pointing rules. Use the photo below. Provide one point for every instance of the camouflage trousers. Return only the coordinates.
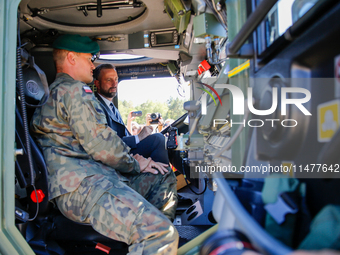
(116, 210)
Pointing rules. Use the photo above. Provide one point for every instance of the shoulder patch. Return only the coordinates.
(87, 89)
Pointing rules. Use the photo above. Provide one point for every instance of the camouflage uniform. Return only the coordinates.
(93, 178)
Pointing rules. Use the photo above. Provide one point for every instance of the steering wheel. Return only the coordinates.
(176, 123)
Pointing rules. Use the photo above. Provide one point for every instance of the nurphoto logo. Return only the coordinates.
(239, 102)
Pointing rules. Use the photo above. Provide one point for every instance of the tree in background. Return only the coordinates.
(172, 109)
(175, 108)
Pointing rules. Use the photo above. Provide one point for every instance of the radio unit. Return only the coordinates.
(163, 38)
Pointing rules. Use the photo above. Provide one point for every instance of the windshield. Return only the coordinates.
(157, 95)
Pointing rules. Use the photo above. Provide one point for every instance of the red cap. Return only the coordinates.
(40, 195)
(205, 65)
(200, 70)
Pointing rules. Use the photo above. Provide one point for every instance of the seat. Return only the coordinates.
(50, 232)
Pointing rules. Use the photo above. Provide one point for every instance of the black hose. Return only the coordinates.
(24, 114)
(186, 180)
(20, 81)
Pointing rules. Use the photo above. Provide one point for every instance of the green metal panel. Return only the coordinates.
(178, 14)
(207, 24)
(236, 13)
(11, 241)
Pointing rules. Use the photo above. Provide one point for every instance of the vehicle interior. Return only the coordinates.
(247, 180)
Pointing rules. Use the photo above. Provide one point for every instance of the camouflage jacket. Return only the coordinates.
(72, 130)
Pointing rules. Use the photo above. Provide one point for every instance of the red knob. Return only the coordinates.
(40, 195)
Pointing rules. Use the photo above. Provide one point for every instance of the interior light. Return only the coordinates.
(119, 56)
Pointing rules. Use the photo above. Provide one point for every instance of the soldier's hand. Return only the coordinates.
(143, 162)
(145, 132)
(154, 166)
(148, 165)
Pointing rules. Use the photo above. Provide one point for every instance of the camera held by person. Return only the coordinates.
(155, 117)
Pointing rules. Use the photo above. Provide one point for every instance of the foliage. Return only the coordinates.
(172, 109)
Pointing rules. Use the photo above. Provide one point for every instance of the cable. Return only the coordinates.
(209, 53)
(180, 87)
(216, 14)
(186, 180)
(235, 136)
(23, 109)
(224, 19)
(211, 100)
(24, 116)
(193, 127)
(36, 211)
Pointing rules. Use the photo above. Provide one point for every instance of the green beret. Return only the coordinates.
(76, 43)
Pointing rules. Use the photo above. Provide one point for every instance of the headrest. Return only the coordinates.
(35, 84)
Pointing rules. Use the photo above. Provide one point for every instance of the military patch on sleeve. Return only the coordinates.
(87, 89)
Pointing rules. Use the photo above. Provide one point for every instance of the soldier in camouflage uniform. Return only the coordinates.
(92, 177)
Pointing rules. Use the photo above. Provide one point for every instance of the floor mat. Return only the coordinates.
(188, 232)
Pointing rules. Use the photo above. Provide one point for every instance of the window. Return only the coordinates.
(163, 95)
(283, 14)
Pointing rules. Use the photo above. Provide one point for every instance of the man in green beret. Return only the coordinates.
(92, 176)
